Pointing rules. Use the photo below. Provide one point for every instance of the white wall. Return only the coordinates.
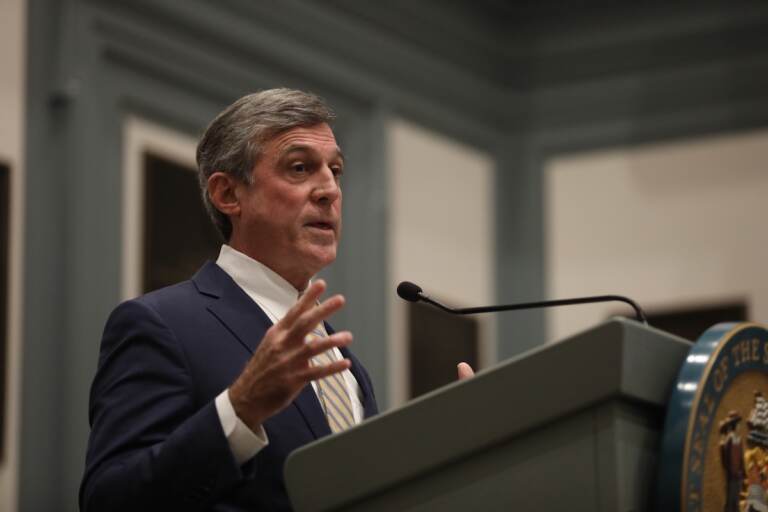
(12, 64)
(441, 232)
(670, 225)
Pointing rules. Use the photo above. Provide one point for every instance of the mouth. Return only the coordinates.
(324, 226)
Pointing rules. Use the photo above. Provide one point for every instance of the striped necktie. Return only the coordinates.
(332, 391)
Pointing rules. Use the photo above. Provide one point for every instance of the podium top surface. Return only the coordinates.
(620, 358)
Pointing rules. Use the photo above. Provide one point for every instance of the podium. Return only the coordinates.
(574, 425)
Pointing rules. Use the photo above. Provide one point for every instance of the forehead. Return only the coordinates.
(318, 137)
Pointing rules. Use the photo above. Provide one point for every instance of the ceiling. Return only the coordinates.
(531, 45)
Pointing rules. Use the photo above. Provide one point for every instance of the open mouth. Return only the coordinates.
(321, 225)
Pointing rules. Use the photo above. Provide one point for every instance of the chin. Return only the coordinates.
(319, 258)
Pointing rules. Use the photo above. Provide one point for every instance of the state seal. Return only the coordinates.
(714, 454)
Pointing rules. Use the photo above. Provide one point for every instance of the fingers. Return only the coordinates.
(305, 302)
(465, 371)
(319, 345)
(306, 313)
(309, 319)
(323, 371)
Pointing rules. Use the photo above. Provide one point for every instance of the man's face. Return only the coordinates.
(290, 217)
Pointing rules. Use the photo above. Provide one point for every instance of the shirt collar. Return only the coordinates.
(268, 289)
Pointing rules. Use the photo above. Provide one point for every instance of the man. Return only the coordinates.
(203, 388)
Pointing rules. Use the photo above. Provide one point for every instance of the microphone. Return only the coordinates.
(413, 293)
(409, 291)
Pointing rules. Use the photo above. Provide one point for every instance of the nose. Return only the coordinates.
(327, 188)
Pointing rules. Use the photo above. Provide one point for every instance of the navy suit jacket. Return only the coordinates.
(156, 440)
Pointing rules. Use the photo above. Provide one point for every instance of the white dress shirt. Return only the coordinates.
(275, 296)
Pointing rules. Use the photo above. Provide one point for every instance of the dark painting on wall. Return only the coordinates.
(690, 323)
(5, 214)
(438, 341)
(178, 235)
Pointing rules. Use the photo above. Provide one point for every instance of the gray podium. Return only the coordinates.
(572, 426)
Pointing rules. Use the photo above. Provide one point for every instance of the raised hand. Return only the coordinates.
(280, 367)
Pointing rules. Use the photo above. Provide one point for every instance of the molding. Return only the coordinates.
(139, 138)
(636, 96)
(292, 40)
(226, 49)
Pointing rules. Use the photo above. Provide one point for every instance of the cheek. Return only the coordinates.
(281, 209)
(337, 203)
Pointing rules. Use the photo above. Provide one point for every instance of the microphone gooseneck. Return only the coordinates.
(413, 293)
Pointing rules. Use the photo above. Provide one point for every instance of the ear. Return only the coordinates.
(221, 190)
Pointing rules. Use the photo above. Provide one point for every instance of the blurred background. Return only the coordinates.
(496, 152)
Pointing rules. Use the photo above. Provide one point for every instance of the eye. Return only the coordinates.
(337, 171)
(299, 168)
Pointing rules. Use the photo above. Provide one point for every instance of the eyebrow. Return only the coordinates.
(303, 147)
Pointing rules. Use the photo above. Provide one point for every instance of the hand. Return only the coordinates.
(465, 371)
(280, 367)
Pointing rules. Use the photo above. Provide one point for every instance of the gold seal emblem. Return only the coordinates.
(725, 456)
(744, 458)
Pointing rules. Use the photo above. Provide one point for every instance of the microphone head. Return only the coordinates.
(409, 291)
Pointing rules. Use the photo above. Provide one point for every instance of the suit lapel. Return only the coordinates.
(234, 308)
(248, 323)
(366, 400)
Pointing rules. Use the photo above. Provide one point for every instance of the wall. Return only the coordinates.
(441, 232)
(12, 98)
(671, 225)
(650, 73)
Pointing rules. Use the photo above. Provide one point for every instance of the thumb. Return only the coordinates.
(465, 371)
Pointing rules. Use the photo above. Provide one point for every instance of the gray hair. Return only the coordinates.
(235, 139)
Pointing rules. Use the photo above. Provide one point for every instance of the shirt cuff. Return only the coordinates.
(243, 442)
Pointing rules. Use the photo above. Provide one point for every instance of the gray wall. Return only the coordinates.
(522, 83)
